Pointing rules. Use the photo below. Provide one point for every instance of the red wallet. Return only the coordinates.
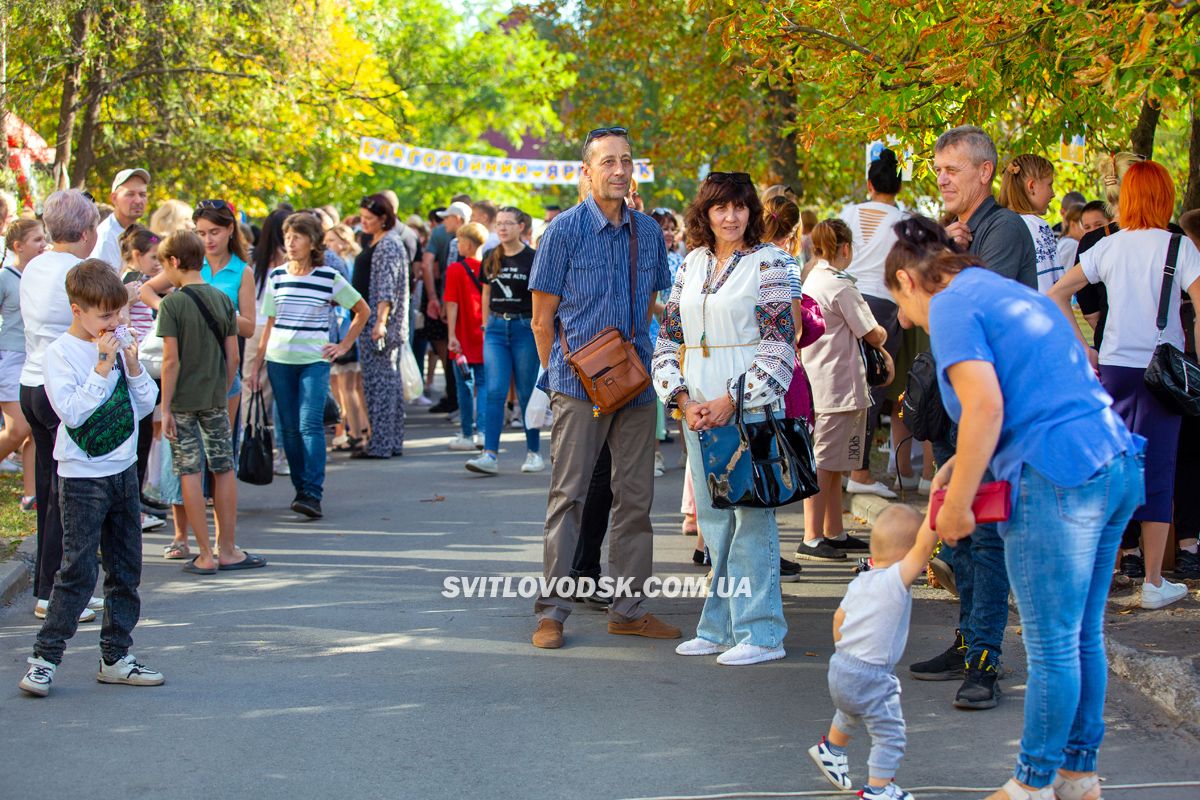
(992, 503)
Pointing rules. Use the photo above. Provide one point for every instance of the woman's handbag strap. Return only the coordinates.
(1164, 297)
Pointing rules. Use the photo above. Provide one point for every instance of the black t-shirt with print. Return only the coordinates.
(510, 287)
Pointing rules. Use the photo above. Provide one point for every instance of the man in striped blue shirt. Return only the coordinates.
(580, 281)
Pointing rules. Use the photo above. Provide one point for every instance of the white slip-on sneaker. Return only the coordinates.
(907, 484)
(462, 444)
(484, 464)
(835, 767)
(1162, 595)
(130, 672)
(699, 647)
(41, 608)
(150, 522)
(745, 654)
(39, 677)
(533, 463)
(96, 604)
(877, 488)
(925, 486)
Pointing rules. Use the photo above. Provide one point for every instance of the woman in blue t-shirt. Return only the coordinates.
(1030, 409)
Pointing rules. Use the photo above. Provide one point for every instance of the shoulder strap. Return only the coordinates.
(474, 278)
(633, 255)
(208, 318)
(1164, 297)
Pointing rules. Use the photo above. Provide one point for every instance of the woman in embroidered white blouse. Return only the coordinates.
(729, 315)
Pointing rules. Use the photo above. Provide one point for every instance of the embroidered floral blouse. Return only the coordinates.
(720, 325)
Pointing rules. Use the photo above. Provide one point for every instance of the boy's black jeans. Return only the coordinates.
(105, 513)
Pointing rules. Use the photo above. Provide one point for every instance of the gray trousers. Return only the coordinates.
(576, 439)
(869, 693)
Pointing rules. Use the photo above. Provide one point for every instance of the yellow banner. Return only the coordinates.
(488, 168)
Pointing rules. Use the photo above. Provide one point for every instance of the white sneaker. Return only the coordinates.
(1163, 595)
(96, 604)
(660, 467)
(477, 440)
(462, 444)
(911, 482)
(876, 488)
(699, 647)
(484, 464)
(835, 768)
(150, 522)
(533, 463)
(8, 465)
(39, 677)
(87, 615)
(745, 654)
(517, 420)
(129, 671)
(925, 487)
(422, 401)
(281, 465)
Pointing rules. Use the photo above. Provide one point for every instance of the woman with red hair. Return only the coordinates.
(1131, 263)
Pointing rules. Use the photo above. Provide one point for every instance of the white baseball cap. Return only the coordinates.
(125, 174)
(458, 209)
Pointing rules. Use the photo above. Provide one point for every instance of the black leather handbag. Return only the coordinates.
(876, 365)
(758, 464)
(1172, 376)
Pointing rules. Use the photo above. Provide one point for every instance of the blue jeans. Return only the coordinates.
(509, 351)
(743, 543)
(982, 594)
(97, 514)
(1059, 547)
(300, 392)
(472, 385)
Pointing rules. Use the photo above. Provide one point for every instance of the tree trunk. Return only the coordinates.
(783, 164)
(70, 95)
(1191, 196)
(1141, 139)
(85, 151)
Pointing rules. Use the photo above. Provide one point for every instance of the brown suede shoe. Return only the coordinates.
(646, 625)
(548, 635)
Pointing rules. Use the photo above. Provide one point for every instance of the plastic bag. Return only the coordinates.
(410, 374)
(537, 413)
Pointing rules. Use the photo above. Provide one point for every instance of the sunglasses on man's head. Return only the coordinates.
(730, 177)
(600, 133)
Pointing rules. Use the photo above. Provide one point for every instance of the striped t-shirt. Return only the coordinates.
(300, 306)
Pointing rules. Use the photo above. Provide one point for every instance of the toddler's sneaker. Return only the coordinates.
(891, 792)
(533, 463)
(39, 677)
(129, 671)
(834, 766)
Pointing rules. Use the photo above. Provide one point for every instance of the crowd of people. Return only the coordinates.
(133, 356)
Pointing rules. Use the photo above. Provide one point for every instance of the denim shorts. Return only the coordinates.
(210, 427)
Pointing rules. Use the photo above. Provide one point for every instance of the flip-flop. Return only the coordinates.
(193, 569)
(251, 561)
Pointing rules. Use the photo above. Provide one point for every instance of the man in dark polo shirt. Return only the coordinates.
(965, 160)
(580, 281)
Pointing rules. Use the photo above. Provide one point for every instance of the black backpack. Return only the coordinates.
(921, 404)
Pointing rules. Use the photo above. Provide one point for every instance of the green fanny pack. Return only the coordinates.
(109, 425)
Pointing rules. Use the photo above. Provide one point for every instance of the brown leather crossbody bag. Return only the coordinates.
(608, 366)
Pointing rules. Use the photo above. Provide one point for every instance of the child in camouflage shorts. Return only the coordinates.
(199, 332)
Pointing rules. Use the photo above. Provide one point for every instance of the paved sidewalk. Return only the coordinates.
(340, 670)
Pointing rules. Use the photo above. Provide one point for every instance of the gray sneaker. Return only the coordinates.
(129, 671)
(39, 677)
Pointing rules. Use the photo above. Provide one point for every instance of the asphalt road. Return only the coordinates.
(341, 671)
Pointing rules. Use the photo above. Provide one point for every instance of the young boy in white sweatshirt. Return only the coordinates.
(97, 387)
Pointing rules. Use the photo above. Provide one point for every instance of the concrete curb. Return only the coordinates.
(17, 574)
(1171, 683)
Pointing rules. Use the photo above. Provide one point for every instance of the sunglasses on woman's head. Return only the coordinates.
(730, 177)
(374, 206)
(214, 205)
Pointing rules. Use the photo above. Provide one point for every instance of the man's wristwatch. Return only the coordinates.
(104, 356)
